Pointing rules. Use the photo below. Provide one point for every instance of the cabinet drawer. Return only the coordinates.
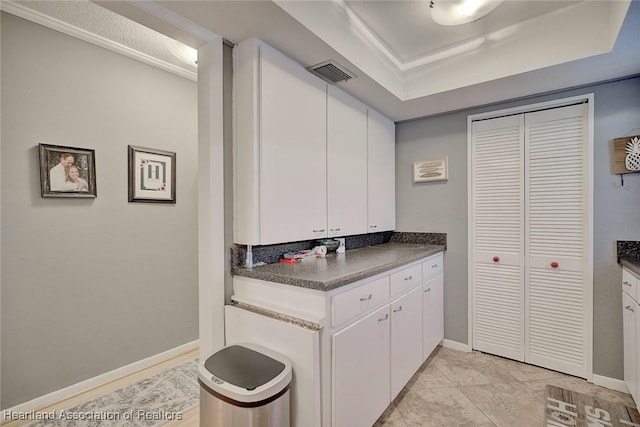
(405, 279)
(358, 300)
(432, 266)
(629, 283)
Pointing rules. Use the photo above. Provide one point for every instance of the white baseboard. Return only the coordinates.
(612, 383)
(454, 345)
(65, 393)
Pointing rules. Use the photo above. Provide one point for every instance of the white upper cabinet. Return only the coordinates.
(280, 149)
(381, 173)
(346, 164)
(310, 161)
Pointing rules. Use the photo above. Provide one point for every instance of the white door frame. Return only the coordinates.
(588, 318)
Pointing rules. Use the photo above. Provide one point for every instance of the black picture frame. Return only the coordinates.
(152, 175)
(67, 172)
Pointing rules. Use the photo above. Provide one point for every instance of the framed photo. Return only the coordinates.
(67, 171)
(152, 175)
(430, 170)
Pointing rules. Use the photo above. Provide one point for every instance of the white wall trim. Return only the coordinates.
(211, 248)
(612, 383)
(82, 34)
(561, 102)
(454, 345)
(91, 383)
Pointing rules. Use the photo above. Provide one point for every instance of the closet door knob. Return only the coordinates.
(554, 264)
(496, 259)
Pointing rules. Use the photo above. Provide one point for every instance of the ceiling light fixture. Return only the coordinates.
(458, 12)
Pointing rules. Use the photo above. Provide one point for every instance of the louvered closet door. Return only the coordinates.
(497, 236)
(556, 186)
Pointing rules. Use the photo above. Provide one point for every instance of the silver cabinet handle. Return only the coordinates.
(626, 283)
(386, 316)
(367, 298)
(334, 229)
(397, 309)
(319, 231)
(428, 290)
(408, 278)
(434, 265)
(628, 307)
(373, 226)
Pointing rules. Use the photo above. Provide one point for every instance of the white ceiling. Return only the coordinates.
(409, 67)
(408, 31)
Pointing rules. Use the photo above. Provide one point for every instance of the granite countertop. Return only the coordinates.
(337, 270)
(632, 263)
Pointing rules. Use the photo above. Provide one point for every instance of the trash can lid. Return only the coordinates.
(245, 372)
(243, 367)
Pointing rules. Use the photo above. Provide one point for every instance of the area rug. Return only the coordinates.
(569, 408)
(149, 402)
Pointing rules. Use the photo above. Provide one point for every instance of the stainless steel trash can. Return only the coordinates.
(245, 385)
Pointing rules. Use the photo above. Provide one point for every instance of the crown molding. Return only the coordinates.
(82, 34)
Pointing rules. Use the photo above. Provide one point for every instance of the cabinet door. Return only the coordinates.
(406, 339)
(432, 315)
(629, 283)
(361, 371)
(381, 173)
(346, 164)
(635, 351)
(629, 340)
(293, 159)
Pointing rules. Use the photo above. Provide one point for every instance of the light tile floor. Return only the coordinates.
(451, 389)
(454, 388)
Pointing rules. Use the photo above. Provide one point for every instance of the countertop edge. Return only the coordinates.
(339, 282)
(633, 264)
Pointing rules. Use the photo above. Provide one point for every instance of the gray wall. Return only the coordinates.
(90, 285)
(442, 206)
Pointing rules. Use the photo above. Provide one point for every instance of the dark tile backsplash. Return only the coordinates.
(420, 238)
(272, 253)
(628, 249)
(364, 240)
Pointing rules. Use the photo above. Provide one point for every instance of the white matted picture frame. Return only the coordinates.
(433, 169)
(152, 175)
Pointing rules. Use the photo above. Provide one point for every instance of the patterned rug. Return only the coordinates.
(149, 402)
(569, 408)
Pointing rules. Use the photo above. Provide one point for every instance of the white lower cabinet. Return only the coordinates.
(631, 333)
(374, 357)
(361, 370)
(373, 336)
(630, 346)
(406, 339)
(432, 314)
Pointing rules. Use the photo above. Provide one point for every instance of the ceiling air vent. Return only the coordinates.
(331, 72)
